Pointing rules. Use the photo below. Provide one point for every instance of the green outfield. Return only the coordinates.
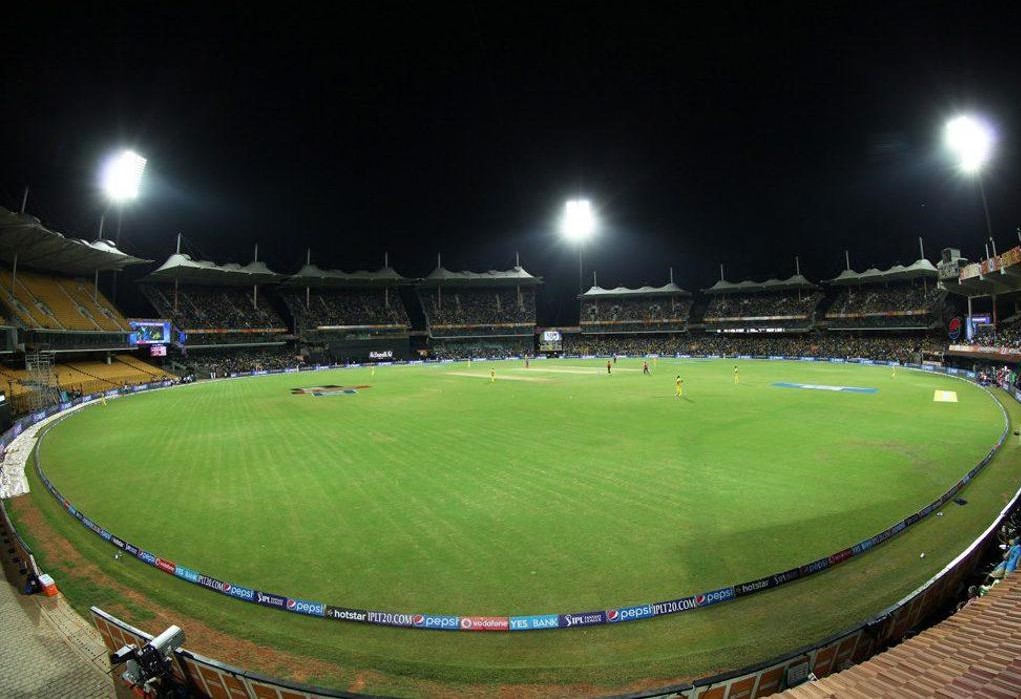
(556, 488)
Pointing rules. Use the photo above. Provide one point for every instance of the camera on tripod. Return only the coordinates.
(150, 668)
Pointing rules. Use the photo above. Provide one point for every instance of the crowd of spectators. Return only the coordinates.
(636, 310)
(490, 348)
(888, 298)
(899, 346)
(345, 307)
(759, 305)
(224, 362)
(212, 307)
(478, 307)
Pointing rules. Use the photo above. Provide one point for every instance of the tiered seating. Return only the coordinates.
(100, 309)
(115, 374)
(140, 366)
(48, 291)
(26, 307)
(47, 302)
(973, 653)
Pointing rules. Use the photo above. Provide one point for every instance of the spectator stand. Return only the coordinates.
(53, 311)
(645, 310)
(217, 306)
(899, 298)
(774, 306)
(356, 315)
(489, 312)
(995, 278)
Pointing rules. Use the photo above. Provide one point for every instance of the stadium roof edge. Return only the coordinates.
(918, 269)
(180, 267)
(311, 275)
(516, 276)
(36, 246)
(668, 289)
(794, 282)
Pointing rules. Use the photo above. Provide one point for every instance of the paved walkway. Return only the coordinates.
(47, 650)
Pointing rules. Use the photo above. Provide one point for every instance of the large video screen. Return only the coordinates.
(149, 332)
(550, 341)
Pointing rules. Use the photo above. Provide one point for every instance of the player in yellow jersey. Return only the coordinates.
(893, 371)
(678, 387)
(102, 397)
(492, 376)
(737, 376)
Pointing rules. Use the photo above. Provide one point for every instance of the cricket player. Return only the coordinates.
(893, 371)
(492, 376)
(645, 367)
(609, 366)
(678, 387)
(737, 376)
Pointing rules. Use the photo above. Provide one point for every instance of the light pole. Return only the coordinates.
(577, 225)
(970, 140)
(121, 177)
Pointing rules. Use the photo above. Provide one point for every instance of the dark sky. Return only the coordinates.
(742, 133)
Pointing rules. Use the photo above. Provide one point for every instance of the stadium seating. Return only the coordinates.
(479, 307)
(620, 314)
(894, 305)
(213, 307)
(43, 301)
(345, 307)
(974, 653)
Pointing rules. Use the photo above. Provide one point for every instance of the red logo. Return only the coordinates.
(166, 566)
(485, 623)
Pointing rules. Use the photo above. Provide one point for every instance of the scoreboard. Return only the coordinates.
(550, 341)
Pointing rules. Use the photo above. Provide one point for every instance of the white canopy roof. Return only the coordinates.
(669, 289)
(516, 276)
(310, 275)
(916, 270)
(40, 248)
(182, 268)
(794, 282)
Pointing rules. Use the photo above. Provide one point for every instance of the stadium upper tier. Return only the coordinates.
(48, 302)
(893, 305)
(462, 311)
(198, 308)
(361, 307)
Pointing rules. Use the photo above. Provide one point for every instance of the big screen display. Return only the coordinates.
(550, 341)
(149, 332)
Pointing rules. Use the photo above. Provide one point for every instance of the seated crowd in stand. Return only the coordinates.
(235, 360)
(482, 307)
(887, 298)
(783, 303)
(476, 347)
(902, 347)
(639, 310)
(212, 307)
(345, 307)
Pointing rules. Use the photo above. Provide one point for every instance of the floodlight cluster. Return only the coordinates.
(122, 175)
(579, 222)
(971, 141)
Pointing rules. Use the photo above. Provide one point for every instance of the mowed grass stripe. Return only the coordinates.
(430, 469)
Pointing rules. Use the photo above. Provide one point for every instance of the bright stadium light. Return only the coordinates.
(122, 175)
(970, 140)
(578, 223)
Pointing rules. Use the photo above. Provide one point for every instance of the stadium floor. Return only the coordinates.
(906, 442)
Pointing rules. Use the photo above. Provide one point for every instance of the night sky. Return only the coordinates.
(742, 133)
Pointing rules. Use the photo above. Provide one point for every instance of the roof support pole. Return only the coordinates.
(24, 201)
(95, 287)
(175, 293)
(14, 276)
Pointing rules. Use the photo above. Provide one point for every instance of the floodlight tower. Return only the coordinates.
(970, 140)
(577, 225)
(121, 177)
